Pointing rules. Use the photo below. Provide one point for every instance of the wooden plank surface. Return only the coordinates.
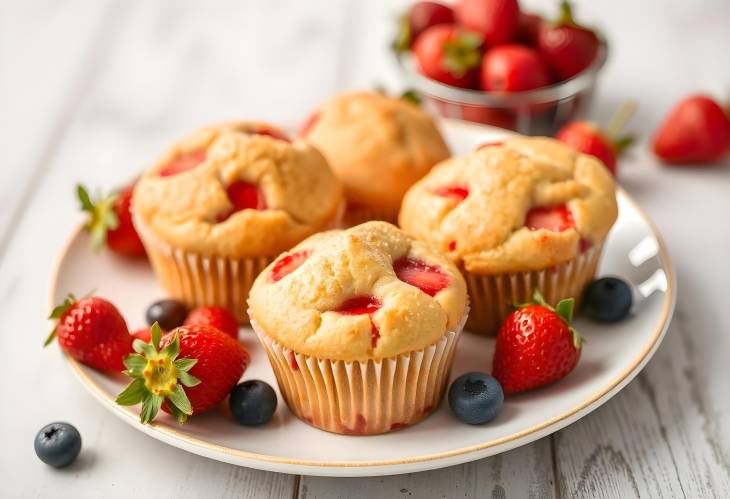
(49, 57)
(93, 90)
(525, 472)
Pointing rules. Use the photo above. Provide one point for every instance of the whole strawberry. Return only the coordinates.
(217, 317)
(567, 47)
(497, 21)
(605, 144)
(529, 28)
(536, 345)
(187, 372)
(697, 130)
(447, 54)
(512, 68)
(420, 17)
(110, 222)
(92, 331)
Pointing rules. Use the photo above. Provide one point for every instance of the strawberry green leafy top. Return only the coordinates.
(158, 376)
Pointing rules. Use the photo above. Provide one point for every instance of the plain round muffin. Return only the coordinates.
(343, 295)
(237, 190)
(378, 146)
(521, 205)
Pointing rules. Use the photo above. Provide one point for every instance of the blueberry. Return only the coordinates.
(168, 313)
(58, 444)
(252, 402)
(607, 299)
(476, 398)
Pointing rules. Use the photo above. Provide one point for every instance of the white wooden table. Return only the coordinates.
(93, 90)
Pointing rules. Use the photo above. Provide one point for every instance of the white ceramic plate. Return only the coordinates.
(612, 356)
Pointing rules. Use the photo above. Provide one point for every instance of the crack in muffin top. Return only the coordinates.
(520, 205)
(237, 190)
(368, 292)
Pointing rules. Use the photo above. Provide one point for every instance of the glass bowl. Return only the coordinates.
(542, 111)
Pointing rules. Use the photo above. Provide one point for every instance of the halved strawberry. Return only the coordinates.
(243, 196)
(274, 133)
(556, 218)
(288, 264)
(452, 191)
(182, 163)
(360, 305)
(428, 278)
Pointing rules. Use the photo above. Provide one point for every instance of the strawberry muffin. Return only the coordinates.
(526, 214)
(378, 146)
(360, 327)
(222, 203)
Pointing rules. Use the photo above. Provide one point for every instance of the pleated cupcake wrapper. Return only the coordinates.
(363, 397)
(493, 296)
(356, 216)
(202, 280)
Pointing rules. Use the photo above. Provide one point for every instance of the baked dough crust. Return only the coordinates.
(302, 194)
(378, 146)
(299, 310)
(485, 232)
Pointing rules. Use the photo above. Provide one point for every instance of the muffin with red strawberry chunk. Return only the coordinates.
(378, 146)
(523, 215)
(225, 201)
(360, 327)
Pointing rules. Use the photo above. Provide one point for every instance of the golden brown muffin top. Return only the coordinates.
(370, 291)
(378, 146)
(237, 190)
(524, 204)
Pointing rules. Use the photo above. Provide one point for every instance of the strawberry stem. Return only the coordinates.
(564, 309)
(56, 314)
(619, 119)
(412, 96)
(566, 15)
(102, 217)
(402, 40)
(462, 53)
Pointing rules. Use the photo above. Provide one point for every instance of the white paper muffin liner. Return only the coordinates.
(363, 397)
(493, 296)
(203, 280)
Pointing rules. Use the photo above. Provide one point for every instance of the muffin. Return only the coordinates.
(525, 214)
(222, 203)
(378, 146)
(360, 327)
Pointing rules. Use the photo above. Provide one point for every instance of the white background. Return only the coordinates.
(94, 90)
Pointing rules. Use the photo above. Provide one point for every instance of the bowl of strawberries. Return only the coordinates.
(486, 61)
